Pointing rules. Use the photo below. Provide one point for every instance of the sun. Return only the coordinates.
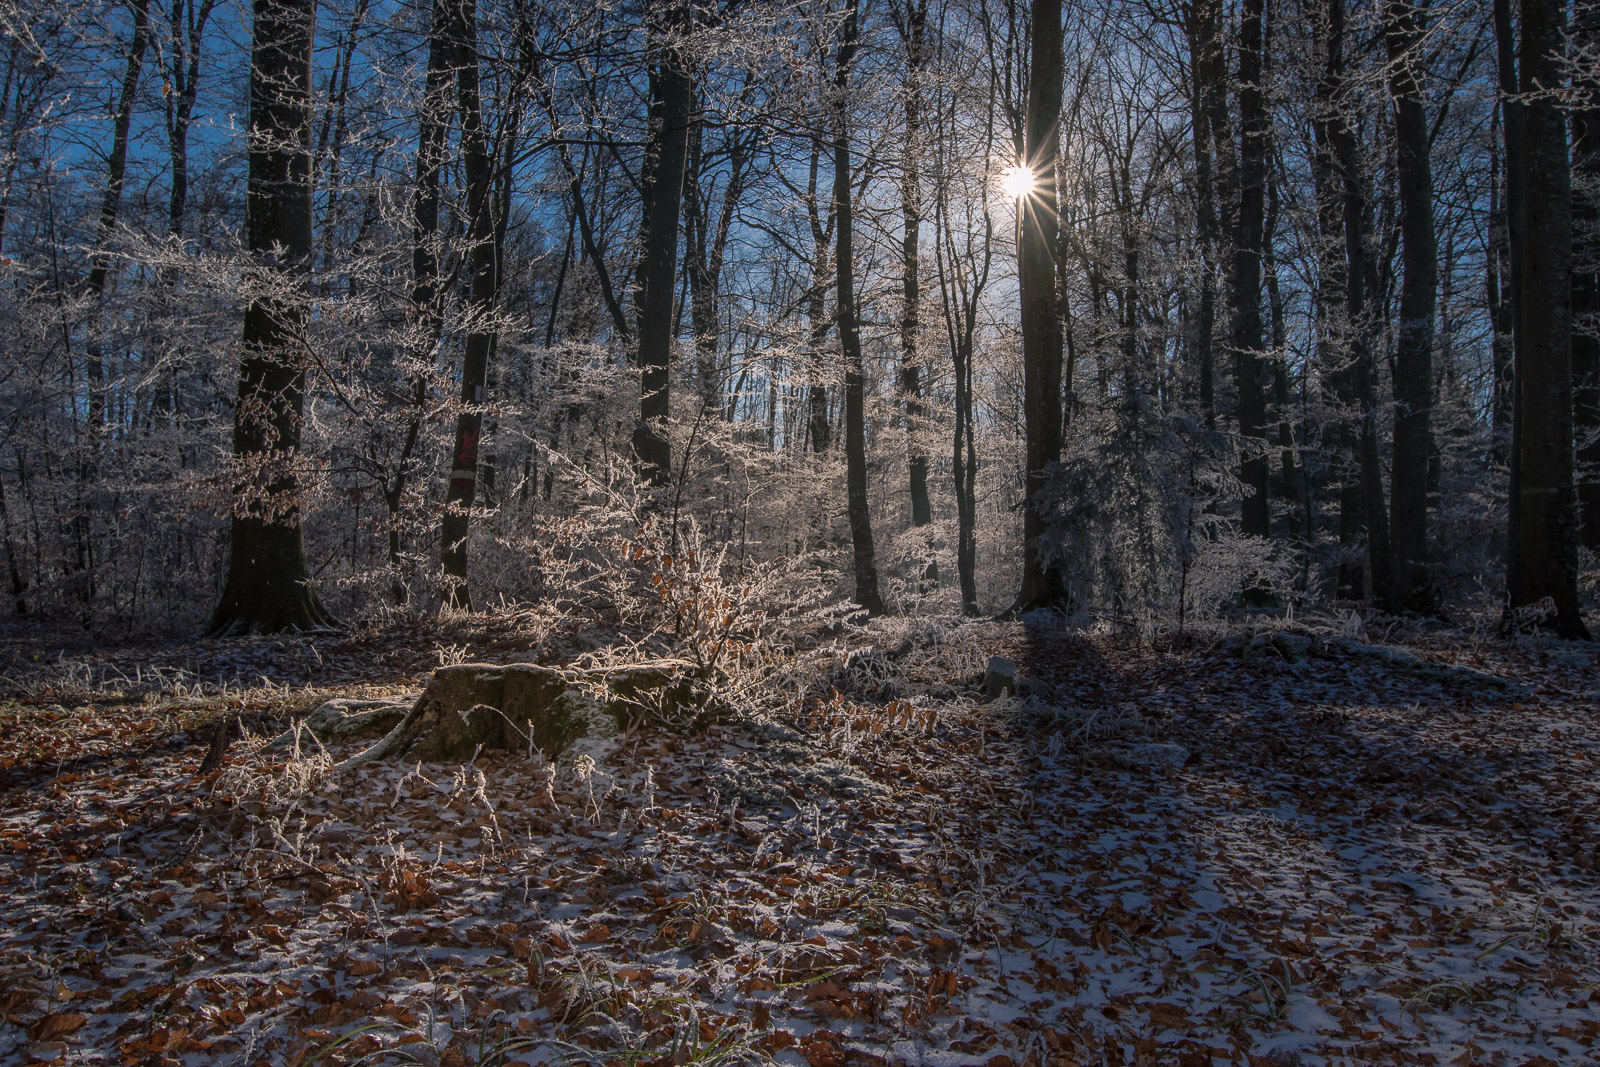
(1017, 182)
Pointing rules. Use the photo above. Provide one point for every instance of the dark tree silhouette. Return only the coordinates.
(855, 415)
(1542, 556)
(1041, 321)
(268, 582)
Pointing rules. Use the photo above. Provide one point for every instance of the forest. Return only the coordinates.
(828, 533)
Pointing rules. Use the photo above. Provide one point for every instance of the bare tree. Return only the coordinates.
(1041, 320)
(268, 581)
(855, 424)
(1542, 549)
(666, 155)
(1404, 27)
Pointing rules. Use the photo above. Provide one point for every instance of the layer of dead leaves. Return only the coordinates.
(1188, 855)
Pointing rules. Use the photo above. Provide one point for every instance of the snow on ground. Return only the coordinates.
(1267, 849)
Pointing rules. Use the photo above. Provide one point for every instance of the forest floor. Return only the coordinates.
(1272, 847)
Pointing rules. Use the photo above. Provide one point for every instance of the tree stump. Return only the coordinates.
(521, 707)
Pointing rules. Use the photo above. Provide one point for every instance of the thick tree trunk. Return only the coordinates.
(268, 582)
(666, 155)
(1544, 558)
(855, 427)
(483, 260)
(1041, 323)
(1244, 288)
(1404, 26)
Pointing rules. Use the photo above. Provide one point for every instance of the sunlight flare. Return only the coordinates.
(1017, 182)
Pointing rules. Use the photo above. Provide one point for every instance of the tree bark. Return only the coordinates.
(187, 28)
(99, 273)
(913, 30)
(1363, 495)
(1544, 558)
(818, 427)
(1203, 29)
(427, 306)
(1404, 25)
(1041, 324)
(1244, 289)
(19, 604)
(707, 238)
(1499, 280)
(483, 261)
(1333, 301)
(110, 203)
(1512, 116)
(268, 582)
(855, 418)
(1586, 283)
(666, 157)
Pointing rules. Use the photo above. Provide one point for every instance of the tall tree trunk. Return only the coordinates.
(1041, 324)
(483, 260)
(19, 605)
(1499, 280)
(1544, 556)
(268, 583)
(1364, 372)
(187, 27)
(110, 203)
(99, 274)
(1334, 328)
(1244, 290)
(963, 275)
(1203, 28)
(819, 429)
(913, 28)
(666, 158)
(427, 306)
(1512, 112)
(1404, 25)
(964, 463)
(1363, 494)
(1289, 485)
(708, 227)
(1586, 282)
(855, 424)
(703, 322)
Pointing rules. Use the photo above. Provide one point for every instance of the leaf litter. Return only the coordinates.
(1269, 848)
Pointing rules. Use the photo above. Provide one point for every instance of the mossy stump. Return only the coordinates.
(522, 707)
